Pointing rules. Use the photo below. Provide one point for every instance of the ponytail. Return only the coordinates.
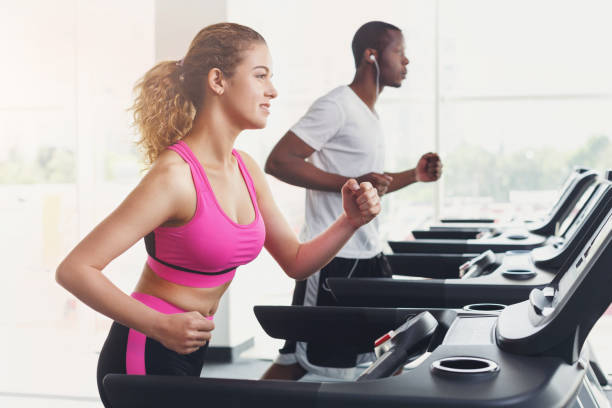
(162, 113)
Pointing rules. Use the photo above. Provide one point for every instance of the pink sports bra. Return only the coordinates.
(206, 251)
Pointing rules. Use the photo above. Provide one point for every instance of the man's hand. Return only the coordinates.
(379, 181)
(429, 168)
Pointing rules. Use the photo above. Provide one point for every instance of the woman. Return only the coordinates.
(203, 208)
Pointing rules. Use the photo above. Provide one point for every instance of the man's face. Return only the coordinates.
(393, 60)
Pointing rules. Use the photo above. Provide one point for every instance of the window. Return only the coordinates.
(67, 160)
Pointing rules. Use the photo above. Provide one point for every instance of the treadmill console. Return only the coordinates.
(399, 346)
(575, 234)
(564, 190)
(476, 265)
(571, 191)
(582, 208)
(557, 319)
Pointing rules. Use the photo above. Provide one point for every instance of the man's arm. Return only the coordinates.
(429, 168)
(287, 162)
(401, 180)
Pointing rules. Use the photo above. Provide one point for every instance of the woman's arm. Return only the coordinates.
(300, 260)
(150, 204)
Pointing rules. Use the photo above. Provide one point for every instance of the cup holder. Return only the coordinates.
(517, 237)
(464, 366)
(519, 274)
(484, 307)
(517, 252)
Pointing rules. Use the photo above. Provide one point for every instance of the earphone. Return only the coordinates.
(373, 58)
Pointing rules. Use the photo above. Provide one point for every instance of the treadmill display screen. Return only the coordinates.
(562, 191)
(574, 275)
(589, 200)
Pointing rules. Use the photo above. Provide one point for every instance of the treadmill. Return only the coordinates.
(487, 278)
(532, 354)
(441, 266)
(573, 186)
(489, 282)
(517, 237)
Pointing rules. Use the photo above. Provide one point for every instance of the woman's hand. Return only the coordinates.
(184, 332)
(360, 201)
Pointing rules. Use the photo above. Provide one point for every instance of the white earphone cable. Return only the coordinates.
(377, 75)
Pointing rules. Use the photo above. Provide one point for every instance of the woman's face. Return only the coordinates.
(249, 91)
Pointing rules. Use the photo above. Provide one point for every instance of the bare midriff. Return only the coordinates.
(203, 300)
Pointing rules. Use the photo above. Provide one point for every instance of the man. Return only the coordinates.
(340, 137)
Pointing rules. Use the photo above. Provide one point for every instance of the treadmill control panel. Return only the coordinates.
(581, 210)
(547, 301)
(561, 314)
(542, 304)
(472, 267)
(574, 276)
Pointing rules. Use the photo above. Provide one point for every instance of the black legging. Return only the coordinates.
(158, 359)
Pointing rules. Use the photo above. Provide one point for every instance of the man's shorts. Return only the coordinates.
(321, 359)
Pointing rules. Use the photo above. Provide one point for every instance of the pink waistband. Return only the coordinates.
(191, 279)
(136, 342)
(159, 304)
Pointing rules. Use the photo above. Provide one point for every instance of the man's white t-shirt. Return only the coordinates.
(348, 140)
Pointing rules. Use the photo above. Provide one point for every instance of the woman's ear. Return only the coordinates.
(216, 81)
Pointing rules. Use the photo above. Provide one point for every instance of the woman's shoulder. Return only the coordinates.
(252, 167)
(170, 172)
(249, 161)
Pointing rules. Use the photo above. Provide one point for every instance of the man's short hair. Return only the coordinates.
(370, 35)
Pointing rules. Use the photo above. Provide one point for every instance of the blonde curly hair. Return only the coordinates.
(169, 94)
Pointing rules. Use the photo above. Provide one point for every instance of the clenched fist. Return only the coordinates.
(429, 167)
(184, 332)
(380, 181)
(360, 201)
